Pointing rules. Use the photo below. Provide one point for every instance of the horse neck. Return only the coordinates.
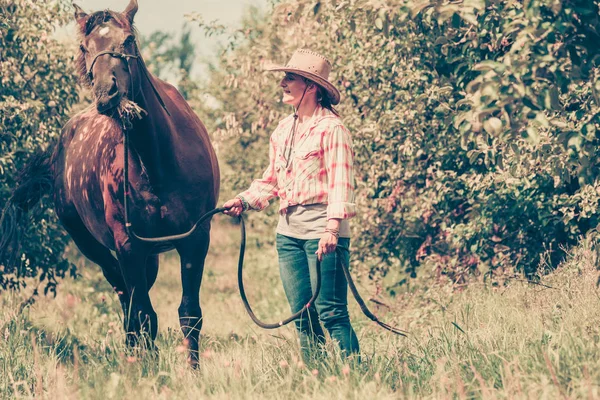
(151, 137)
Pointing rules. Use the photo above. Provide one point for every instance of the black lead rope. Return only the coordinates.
(304, 309)
(126, 194)
(265, 325)
(254, 318)
(211, 213)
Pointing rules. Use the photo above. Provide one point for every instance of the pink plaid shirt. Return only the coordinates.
(321, 170)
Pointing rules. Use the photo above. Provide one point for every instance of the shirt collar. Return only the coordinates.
(321, 113)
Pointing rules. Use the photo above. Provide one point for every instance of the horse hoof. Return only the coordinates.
(193, 362)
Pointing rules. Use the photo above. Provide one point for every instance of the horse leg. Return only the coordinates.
(99, 254)
(192, 253)
(141, 316)
(151, 270)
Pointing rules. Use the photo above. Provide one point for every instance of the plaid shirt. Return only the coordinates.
(320, 170)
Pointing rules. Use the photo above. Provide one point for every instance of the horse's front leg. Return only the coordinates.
(192, 252)
(140, 317)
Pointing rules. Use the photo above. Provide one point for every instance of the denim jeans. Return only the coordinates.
(298, 268)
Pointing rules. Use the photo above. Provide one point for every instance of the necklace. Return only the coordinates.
(291, 151)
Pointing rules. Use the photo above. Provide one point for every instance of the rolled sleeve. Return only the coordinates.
(339, 163)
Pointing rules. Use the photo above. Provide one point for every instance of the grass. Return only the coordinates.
(514, 341)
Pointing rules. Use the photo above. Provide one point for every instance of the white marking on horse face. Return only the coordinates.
(188, 265)
(104, 31)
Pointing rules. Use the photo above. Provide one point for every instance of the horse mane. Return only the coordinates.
(87, 26)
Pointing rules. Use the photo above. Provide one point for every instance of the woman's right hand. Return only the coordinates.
(234, 207)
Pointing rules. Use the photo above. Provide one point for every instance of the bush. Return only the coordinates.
(475, 124)
(38, 87)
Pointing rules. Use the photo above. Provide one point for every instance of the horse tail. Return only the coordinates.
(33, 182)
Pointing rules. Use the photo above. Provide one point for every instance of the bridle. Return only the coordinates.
(300, 313)
(126, 127)
(125, 57)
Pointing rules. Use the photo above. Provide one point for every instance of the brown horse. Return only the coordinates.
(173, 175)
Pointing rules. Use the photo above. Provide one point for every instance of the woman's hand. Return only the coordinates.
(234, 206)
(327, 244)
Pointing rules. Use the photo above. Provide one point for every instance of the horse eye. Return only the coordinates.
(129, 40)
(82, 48)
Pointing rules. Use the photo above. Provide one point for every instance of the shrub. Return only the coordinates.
(475, 124)
(38, 87)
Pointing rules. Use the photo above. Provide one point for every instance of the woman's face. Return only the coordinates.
(293, 87)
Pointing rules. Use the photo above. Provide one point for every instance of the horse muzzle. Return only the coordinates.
(108, 102)
(108, 95)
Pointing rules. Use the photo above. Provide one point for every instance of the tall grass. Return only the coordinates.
(515, 341)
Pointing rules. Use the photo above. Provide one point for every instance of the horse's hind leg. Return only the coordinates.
(192, 252)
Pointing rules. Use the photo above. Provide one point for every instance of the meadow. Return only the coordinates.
(476, 128)
(517, 340)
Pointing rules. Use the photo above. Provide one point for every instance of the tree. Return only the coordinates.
(474, 125)
(39, 85)
(164, 56)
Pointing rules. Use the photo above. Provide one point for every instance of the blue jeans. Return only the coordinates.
(298, 268)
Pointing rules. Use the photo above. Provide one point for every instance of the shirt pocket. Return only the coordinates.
(308, 162)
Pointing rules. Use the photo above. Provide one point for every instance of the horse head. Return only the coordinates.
(107, 54)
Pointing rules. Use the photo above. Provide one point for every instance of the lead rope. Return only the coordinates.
(258, 322)
(208, 215)
(312, 300)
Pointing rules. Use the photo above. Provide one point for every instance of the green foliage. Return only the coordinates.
(475, 124)
(39, 85)
(164, 56)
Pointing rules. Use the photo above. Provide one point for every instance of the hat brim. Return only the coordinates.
(334, 94)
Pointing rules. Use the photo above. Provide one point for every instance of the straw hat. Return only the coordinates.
(313, 66)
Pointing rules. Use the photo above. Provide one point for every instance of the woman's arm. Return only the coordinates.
(260, 191)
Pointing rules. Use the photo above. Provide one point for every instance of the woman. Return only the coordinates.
(310, 170)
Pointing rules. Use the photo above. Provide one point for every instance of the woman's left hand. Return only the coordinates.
(327, 244)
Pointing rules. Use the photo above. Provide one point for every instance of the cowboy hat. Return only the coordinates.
(312, 66)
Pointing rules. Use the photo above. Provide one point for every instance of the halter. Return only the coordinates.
(116, 54)
(125, 57)
(126, 125)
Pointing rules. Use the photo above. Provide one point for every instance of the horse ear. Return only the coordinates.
(79, 13)
(131, 10)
